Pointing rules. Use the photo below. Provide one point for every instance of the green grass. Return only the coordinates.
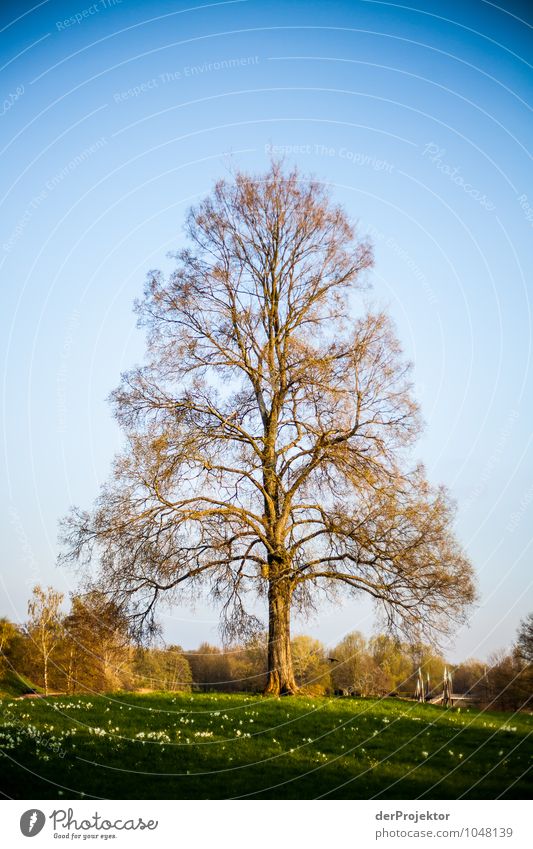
(226, 746)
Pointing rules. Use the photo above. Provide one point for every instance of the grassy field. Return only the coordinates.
(226, 746)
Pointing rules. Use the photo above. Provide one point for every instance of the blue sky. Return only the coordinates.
(117, 115)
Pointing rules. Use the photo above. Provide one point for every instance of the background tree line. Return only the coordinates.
(89, 649)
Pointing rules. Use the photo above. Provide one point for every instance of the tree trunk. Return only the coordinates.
(45, 673)
(280, 681)
(70, 673)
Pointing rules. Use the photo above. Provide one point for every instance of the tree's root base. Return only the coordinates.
(286, 690)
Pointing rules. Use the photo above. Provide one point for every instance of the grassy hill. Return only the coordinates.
(13, 684)
(226, 746)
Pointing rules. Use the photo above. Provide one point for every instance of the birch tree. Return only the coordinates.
(44, 627)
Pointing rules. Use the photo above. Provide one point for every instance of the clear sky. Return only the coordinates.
(117, 115)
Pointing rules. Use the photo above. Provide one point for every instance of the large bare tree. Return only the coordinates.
(268, 434)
